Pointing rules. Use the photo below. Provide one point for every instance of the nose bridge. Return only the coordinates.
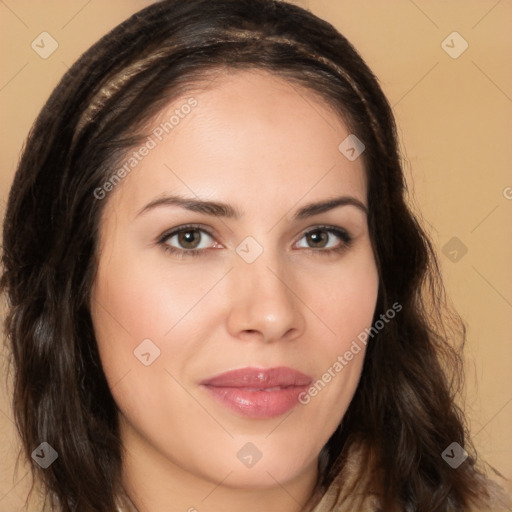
(266, 278)
(262, 297)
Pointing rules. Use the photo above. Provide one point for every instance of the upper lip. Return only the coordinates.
(259, 378)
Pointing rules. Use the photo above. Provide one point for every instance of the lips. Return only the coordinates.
(258, 392)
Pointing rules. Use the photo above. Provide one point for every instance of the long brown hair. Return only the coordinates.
(403, 415)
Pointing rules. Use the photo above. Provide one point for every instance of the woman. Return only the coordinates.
(208, 249)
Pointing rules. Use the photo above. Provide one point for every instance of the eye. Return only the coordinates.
(193, 240)
(326, 239)
(187, 240)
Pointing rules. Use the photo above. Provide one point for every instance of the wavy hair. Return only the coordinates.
(403, 415)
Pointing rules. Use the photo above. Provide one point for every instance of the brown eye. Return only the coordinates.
(188, 239)
(317, 239)
(325, 239)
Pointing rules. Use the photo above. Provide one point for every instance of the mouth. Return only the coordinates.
(258, 392)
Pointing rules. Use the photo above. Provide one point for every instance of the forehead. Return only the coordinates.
(246, 137)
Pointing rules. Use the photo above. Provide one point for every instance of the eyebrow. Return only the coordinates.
(219, 209)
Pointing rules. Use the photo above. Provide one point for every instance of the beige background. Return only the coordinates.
(455, 124)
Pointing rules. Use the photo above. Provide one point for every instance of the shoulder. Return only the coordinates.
(499, 501)
(350, 491)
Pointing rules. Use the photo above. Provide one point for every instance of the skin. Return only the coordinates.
(267, 148)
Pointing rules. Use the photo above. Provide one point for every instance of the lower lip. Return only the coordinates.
(258, 404)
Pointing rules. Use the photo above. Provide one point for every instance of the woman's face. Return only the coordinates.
(274, 293)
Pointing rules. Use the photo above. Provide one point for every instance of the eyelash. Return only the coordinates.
(183, 253)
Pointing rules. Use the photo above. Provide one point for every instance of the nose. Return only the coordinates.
(264, 305)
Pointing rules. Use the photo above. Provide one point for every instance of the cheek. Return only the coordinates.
(346, 303)
(137, 313)
(346, 306)
(145, 298)
(146, 305)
